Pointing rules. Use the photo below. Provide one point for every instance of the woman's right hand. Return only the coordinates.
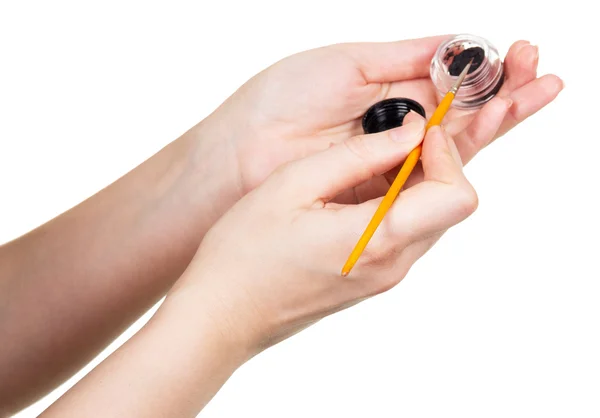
(271, 266)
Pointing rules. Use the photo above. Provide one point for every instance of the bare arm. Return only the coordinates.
(72, 285)
(172, 367)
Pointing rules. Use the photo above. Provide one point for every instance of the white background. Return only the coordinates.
(500, 319)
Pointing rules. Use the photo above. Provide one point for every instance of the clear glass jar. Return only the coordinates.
(484, 79)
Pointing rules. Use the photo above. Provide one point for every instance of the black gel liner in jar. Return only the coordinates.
(485, 77)
(389, 114)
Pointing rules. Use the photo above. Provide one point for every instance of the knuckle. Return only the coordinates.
(386, 277)
(387, 282)
(467, 200)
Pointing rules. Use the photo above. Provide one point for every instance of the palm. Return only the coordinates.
(308, 101)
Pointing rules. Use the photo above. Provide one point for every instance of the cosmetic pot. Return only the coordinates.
(485, 76)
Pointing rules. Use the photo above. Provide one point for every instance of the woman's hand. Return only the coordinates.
(271, 266)
(310, 100)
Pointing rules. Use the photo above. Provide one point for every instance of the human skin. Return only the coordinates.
(288, 239)
(72, 285)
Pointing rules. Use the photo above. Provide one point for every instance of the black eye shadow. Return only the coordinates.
(461, 60)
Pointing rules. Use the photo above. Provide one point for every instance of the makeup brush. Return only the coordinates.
(407, 168)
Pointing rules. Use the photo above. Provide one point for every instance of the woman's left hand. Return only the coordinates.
(313, 99)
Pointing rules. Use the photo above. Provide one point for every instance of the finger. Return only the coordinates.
(473, 132)
(390, 175)
(326, 174)
(520, 66)
(378, 186)
(441, 201)
(441, 162)
(453, 149)
(417, 175)
(393, 61)
(529, 99)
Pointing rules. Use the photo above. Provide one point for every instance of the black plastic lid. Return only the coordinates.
(389, 114)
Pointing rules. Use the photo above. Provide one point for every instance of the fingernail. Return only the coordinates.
(409, 131)
(508, 102)
(411, 117)
(523, 45)
(535, 54)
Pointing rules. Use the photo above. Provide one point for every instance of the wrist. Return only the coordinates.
(203, 316)
(228, 312)
(208, 181)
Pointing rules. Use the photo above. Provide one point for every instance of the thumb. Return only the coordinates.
(354, 161)
(444, 199)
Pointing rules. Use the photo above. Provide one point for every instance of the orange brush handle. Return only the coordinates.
(390, 197)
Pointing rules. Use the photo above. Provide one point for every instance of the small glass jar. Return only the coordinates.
(485, 76)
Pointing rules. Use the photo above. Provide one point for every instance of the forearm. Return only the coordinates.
(72, 285)
(172, 367)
